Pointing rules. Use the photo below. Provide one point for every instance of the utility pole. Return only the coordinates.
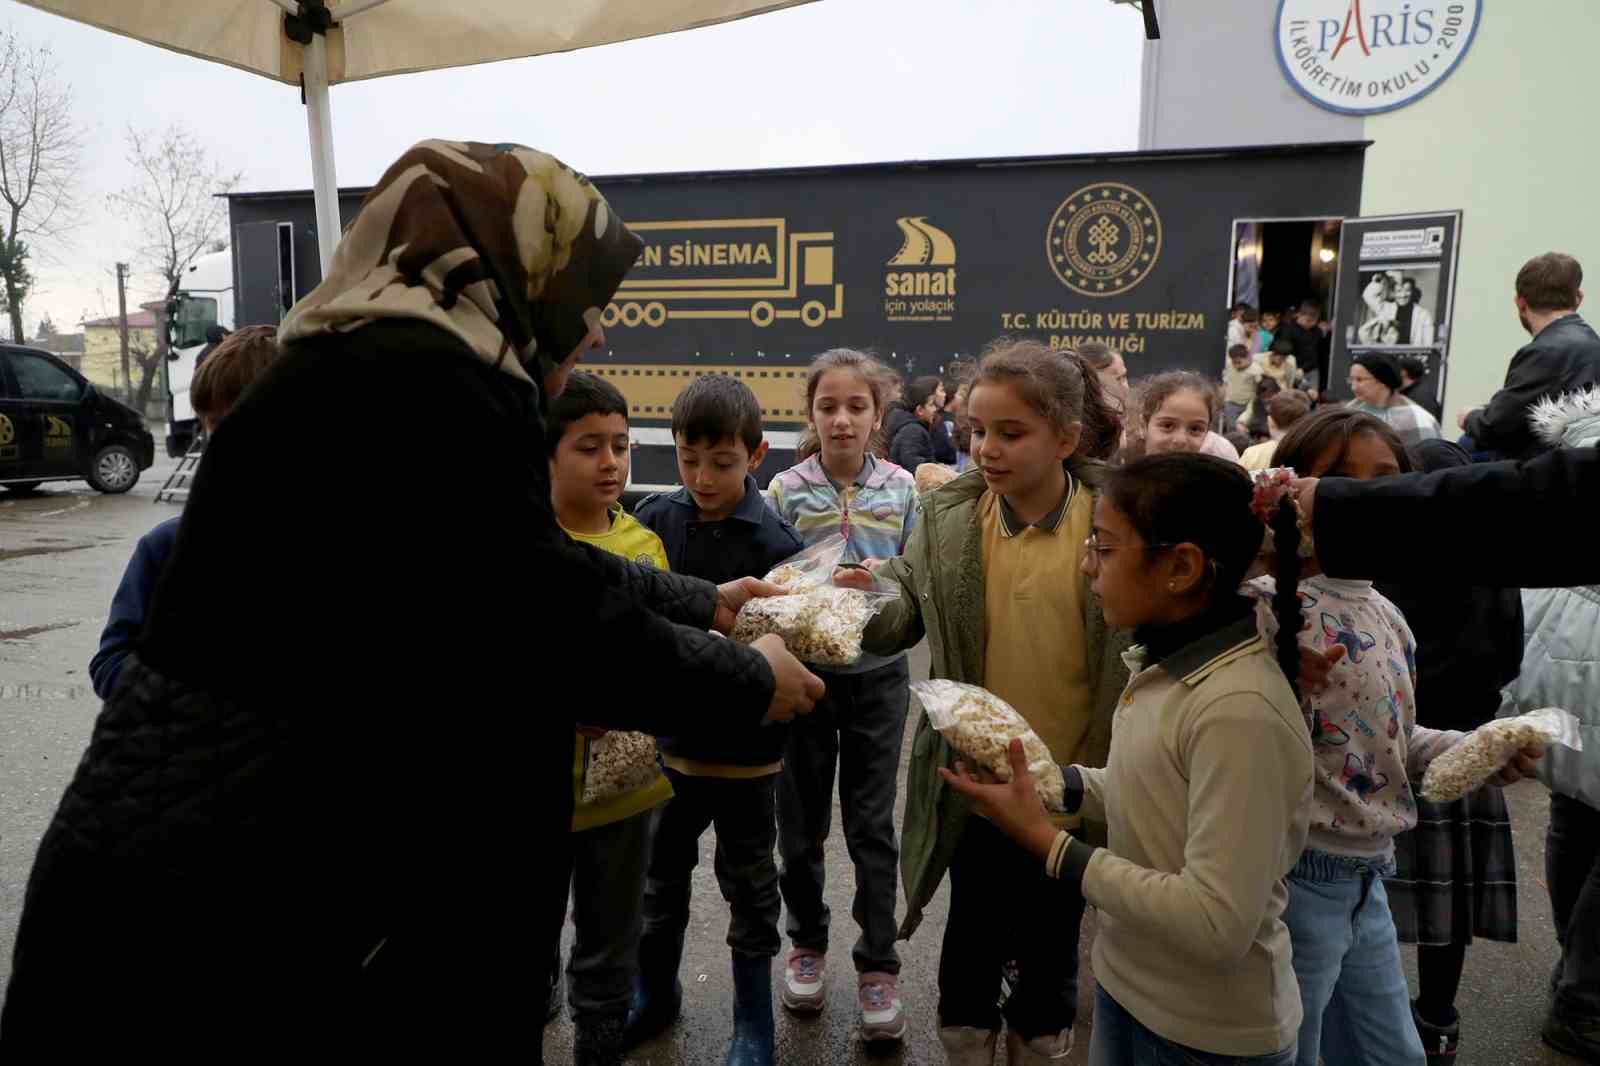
(122, 321)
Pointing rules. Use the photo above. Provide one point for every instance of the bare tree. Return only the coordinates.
(174, 200)
(40, 144)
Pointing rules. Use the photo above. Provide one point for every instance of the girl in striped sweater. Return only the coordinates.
(859, 724)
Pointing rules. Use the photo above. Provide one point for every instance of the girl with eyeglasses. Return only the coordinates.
(1207, 788)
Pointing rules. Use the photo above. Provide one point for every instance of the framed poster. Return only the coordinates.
(1396, 292)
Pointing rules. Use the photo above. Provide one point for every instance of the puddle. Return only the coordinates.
(30, 632)
(19, 553)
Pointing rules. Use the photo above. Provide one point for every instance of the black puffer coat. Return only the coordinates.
(320, 815)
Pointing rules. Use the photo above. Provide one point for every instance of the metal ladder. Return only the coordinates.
(177, 489)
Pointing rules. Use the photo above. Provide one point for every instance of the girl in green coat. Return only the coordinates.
(992, 577)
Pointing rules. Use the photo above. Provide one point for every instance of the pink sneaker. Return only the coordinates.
(803, 980)
(882, 1016)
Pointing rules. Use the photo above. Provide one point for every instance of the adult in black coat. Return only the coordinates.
(913, 430)
(1563, 357)
(319, 815)
(1527, 524)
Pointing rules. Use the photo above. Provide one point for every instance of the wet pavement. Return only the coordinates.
(62, 552)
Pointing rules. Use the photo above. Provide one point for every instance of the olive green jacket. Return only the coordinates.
(942, 597)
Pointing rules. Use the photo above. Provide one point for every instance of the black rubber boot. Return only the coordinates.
(599, 1039)
(657, 992)
(753, 1029)
(1438, 1041)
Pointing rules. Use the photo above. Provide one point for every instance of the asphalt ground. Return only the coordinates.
(62, 552)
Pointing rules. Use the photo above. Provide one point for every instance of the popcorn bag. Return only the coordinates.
(1481, 753)
(616, 763)
(981, 726)
(818, 621)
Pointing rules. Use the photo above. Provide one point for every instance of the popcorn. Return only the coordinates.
(619, 762)
(820, 625)
(981, 726)
(818, 621)
(930, 476)
(1481, 753)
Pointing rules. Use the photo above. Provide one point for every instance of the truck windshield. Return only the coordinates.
(192, 317)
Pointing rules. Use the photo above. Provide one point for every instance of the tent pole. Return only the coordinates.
(319, 121)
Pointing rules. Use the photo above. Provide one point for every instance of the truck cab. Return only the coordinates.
(202, 300)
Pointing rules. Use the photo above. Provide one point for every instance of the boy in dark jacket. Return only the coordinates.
(236, 362)
(913, 430)
(717, 527)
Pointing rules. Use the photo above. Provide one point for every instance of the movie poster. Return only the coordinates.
(1396, 289)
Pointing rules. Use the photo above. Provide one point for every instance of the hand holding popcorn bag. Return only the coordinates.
(617, 763)
(981, 726)
(1483, 752)
(818, 621)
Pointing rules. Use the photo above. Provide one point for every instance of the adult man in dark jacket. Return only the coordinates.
(1563, 356)
(913, 430)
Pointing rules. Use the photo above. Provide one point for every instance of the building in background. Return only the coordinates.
(102, 348)
(1470, 106)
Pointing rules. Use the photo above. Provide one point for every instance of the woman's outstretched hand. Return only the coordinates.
(1012, 806)
(795, 690)
(735, 594)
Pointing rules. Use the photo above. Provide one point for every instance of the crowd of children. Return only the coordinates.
(1095, 559)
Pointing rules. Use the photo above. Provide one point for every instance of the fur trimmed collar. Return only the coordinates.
(1568, 421)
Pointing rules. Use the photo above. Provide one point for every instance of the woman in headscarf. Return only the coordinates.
(324, 812)
(1375, 381)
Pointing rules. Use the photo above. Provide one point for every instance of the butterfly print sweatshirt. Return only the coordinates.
(1365, 738)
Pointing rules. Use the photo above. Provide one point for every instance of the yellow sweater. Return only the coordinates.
(633, 542)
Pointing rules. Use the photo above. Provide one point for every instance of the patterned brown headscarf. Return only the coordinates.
(502, 246)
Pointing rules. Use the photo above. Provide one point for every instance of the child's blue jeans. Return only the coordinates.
(1121, 1040)
(1347, 959)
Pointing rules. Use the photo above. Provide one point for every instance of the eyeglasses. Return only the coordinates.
(1092, 543)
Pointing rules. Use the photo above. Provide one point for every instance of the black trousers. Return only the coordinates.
(743, 811)
(1572, 870)
(1003, 907)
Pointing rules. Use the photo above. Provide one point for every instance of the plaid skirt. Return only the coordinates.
(1456, 873)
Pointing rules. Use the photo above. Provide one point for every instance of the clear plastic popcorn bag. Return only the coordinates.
(1481, 753)
(981, 726)
(819, 622)
(618, 762)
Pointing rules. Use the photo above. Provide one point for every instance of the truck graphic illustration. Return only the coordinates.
(733, 268)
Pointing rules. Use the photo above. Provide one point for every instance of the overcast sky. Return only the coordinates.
(838, 81)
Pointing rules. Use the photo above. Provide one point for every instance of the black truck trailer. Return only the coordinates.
(753, 273)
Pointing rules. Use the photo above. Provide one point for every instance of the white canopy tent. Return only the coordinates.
(318, 43)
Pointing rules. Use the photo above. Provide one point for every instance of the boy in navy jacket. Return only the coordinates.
(234, 363)
(717, 527)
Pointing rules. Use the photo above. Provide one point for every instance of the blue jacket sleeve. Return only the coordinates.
(129, 605)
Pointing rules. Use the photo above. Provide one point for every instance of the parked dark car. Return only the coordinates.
(56, 426)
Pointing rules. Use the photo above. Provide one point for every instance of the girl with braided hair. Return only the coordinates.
(1207, 789)
(1368, 750)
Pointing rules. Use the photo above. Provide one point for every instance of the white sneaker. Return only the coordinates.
(804, 977)
(882, 1016)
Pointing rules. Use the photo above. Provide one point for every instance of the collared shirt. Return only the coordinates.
(1036, 601)
(1206, 796)
(747, 543)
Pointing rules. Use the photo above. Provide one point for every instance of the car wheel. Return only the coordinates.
(21, 487)
(114, 469)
